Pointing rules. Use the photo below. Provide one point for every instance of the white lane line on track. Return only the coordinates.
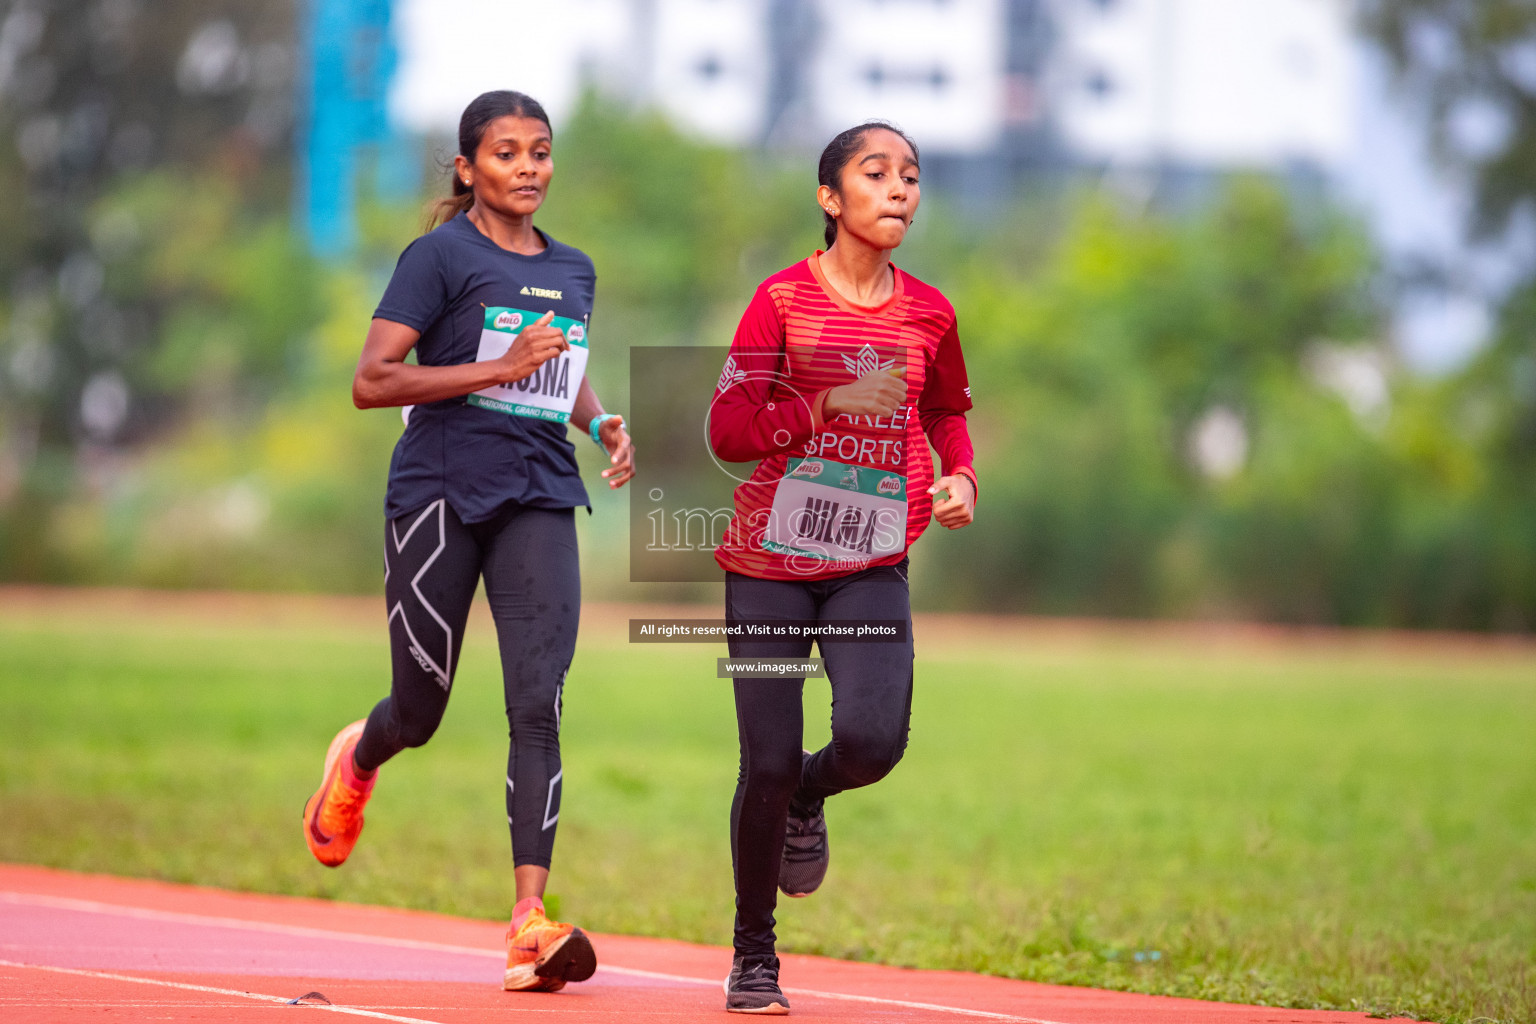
(818, 994)
(909, 1004)
(271, 927)
(351, 1011)
(95, 907)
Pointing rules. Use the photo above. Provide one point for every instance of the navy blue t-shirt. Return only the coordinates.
(480, 458)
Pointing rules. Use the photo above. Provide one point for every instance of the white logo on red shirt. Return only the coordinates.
(730, 374)
(866, 362)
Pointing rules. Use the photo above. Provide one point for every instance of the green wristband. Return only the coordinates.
(597, 424)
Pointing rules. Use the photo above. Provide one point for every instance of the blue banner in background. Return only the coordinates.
(345, 138)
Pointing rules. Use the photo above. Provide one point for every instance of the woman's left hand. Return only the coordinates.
(621, 452)
(959, 508)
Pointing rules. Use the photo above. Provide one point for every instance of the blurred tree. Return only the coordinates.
(94, 96)
(1473, 66)
(1195, 416)
(1153, 436)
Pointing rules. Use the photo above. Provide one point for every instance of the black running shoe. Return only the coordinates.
(806, 854)
(753, 985)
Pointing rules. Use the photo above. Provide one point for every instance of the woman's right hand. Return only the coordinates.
(534, 346)
(878, 393)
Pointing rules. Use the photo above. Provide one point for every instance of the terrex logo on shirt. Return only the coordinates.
(541, 293)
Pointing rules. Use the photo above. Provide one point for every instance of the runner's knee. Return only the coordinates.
(415, 730)
(867, 755)
(775, 774)
(533, 707)
(530, 725)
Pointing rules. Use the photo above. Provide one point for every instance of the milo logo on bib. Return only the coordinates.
(829, 510)
(549, 393)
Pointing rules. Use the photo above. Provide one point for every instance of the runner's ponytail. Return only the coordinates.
(444, 210)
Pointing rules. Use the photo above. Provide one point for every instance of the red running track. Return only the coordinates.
(92, 947)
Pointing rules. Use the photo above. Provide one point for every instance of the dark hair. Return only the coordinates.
(829, 170)
(477, 117)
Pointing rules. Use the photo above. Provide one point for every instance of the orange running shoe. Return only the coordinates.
(333, 817)
(543, 955)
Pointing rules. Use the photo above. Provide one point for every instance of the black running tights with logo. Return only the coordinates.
(871, 709)
(433, 563)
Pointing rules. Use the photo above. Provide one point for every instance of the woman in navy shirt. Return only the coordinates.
(483, 483)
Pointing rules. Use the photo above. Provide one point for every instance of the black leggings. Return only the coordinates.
(871, 708)
(432, 563)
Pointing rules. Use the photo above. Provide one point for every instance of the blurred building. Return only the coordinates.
(1204, 83)
(1171, 82)
(1170, 93)
(736, 71)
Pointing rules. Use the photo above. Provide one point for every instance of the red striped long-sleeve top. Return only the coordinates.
(831, 497)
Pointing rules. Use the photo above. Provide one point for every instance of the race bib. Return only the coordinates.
(828, 510)
(549, 393)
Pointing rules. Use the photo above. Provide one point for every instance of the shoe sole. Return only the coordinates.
(312, 805)
(569, 959)
(771, 1010)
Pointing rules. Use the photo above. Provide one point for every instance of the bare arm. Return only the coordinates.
(587, 406)
(616, 441)
(384, 378)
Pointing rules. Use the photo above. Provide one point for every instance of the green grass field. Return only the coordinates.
(1312, 823)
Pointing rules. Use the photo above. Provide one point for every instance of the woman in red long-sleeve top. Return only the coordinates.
(844, 369)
